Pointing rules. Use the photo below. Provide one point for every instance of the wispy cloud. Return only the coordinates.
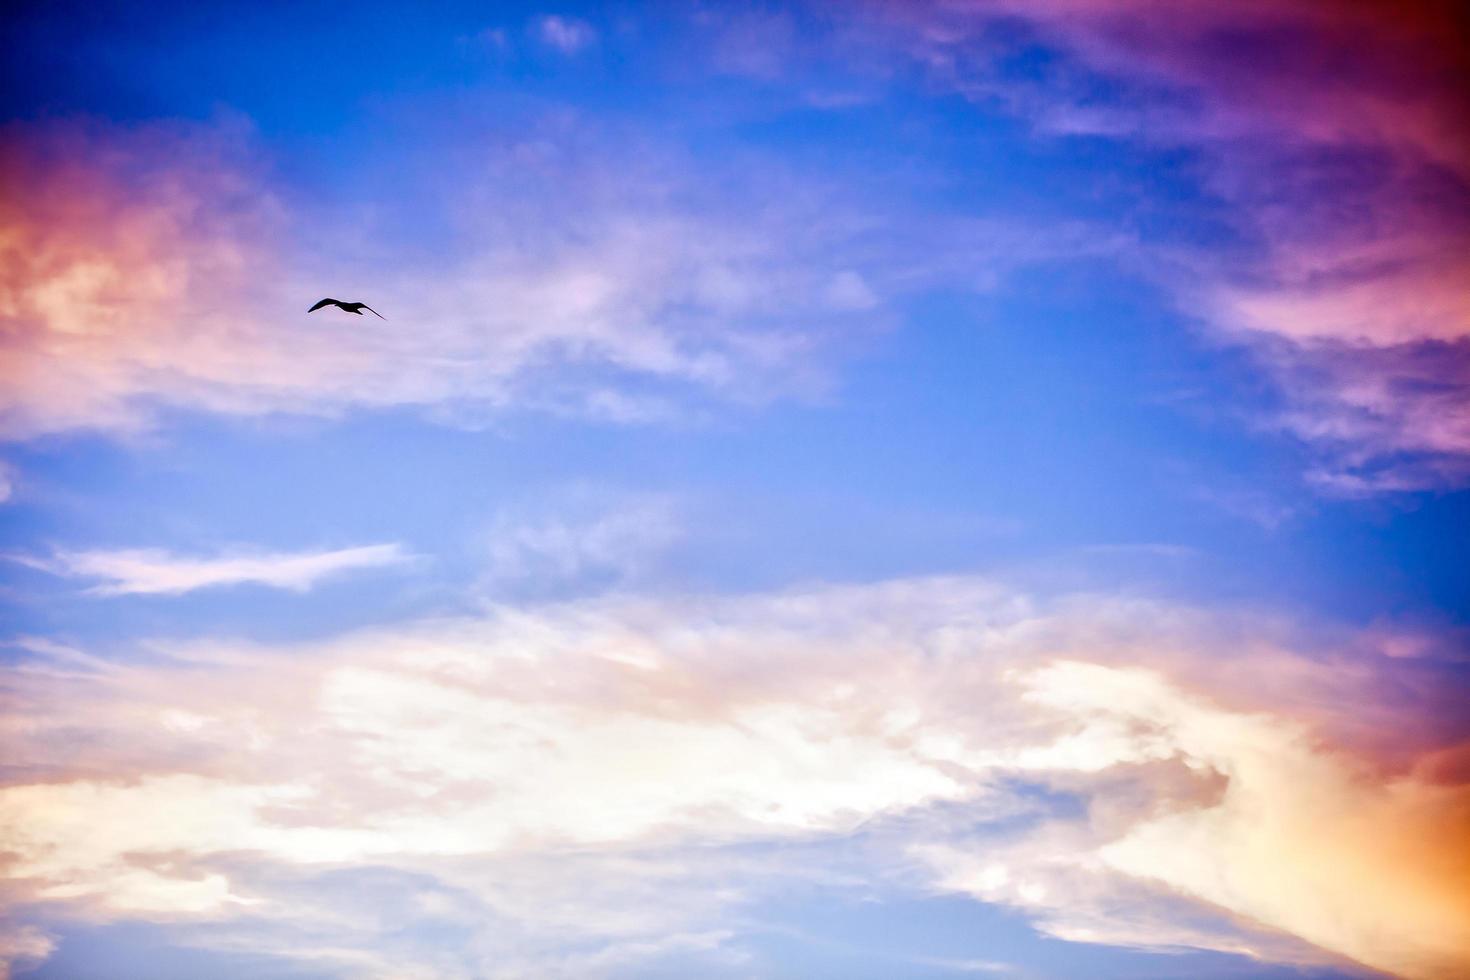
(599, 755)
(566, 34)
(155, 572)
(579, 537)
(593, 274)
(1344, 175)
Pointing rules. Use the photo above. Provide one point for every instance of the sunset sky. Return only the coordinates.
(972, 488)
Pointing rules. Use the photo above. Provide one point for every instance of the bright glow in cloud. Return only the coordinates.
(148, 571)
(914, 712)
(1298, 836)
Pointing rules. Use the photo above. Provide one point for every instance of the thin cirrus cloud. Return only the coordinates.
(579, 537)
(154, 572)
(160, 268)
(1333, 136)
(602, 775)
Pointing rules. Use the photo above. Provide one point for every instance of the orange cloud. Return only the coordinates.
(103, 260)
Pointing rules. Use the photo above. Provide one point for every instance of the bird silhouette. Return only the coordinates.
(349, 307)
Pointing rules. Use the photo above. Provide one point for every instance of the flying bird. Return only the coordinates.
(349, 307)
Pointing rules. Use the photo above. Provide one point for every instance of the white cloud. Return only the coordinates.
(155, 572)
(571, 776)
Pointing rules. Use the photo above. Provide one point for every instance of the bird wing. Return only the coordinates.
(374, 312)
(324, 302)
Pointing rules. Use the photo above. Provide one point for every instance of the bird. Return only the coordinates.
(349, 307)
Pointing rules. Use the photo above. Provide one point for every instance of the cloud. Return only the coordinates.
(566, 34)
(154, 572)
(1291, 835)
(7, 481)
(599, 773)
(1341, 169)
(574, 268)
(1391, 419)
(584, 537)
(163, 267)
(23, 946)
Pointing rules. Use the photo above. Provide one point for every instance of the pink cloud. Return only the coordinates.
(1335, 134)
(158, 268)
(23, 946)
(1349, 72)
(105, 259)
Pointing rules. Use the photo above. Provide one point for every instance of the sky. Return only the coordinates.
(919, 489)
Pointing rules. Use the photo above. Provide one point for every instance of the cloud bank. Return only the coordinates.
(582, 775)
